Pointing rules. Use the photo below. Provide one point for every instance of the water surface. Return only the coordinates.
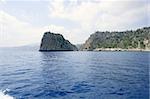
(26, 74)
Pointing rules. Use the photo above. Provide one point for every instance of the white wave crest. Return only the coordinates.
(5, 96)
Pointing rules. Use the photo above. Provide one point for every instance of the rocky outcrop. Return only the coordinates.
(56, 42)
(138, 39)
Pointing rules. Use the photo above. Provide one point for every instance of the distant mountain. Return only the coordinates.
(138, 39)
(30, 47)
(56, 42)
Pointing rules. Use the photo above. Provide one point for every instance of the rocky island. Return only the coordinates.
(131, 40)
(55, 42)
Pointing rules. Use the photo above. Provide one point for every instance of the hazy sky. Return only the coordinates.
(23, 22)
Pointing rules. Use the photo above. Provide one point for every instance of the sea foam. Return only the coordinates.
(3, 94)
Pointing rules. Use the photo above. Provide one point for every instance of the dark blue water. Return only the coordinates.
(74, 75)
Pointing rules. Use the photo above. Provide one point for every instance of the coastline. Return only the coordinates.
(119, 49)
(102, 49)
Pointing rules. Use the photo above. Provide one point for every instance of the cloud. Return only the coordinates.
(78, 18)
(127, 19)
(101, 15)
(2, 1)
(14, 32)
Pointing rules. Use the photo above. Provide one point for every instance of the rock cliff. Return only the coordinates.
(56, 42)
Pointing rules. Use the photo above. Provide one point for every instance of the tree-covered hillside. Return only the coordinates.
(138, 39)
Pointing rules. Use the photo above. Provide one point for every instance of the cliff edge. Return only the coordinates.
(56, 42)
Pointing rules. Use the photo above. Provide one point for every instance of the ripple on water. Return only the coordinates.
(67, 75)
(16, 73)
(81, 87)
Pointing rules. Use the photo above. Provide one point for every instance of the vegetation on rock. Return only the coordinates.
(138, 39)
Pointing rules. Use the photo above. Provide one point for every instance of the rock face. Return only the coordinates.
(56, 42)
(137, 39)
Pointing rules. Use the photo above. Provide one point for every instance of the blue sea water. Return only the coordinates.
(30, 74)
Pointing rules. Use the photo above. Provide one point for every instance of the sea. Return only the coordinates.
(30, 74)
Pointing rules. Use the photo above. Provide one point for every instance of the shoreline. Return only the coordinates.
(119, 49)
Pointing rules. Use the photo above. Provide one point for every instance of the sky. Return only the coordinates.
(24, 22)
